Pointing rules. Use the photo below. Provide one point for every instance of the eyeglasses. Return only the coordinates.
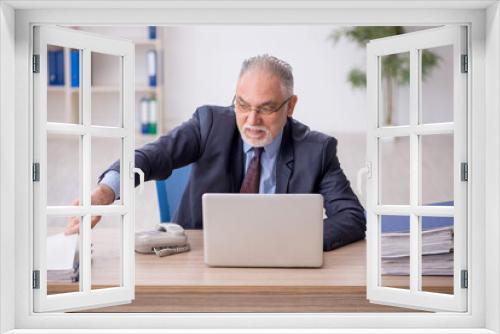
(244, 108)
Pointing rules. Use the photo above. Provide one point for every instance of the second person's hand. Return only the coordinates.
(102, 195)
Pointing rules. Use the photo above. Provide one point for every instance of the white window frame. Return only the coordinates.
(123, 50)
(412, 43)
(17, 17)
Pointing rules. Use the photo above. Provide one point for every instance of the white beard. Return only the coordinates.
(266, 140)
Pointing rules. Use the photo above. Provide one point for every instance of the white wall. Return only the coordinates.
(202, 64)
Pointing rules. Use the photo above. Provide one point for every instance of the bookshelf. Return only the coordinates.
(63, 100)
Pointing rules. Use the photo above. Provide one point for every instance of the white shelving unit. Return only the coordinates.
(102, 91)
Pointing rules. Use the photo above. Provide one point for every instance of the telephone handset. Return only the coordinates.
(166, 239)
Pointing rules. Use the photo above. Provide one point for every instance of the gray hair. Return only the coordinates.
(274, 66)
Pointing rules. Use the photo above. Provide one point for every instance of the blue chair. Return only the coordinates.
(170, 192)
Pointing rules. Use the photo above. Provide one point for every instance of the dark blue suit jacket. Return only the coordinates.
(307, 163)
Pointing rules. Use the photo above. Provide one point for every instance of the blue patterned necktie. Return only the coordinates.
(251, 182)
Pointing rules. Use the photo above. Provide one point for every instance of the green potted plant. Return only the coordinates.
(395, 68)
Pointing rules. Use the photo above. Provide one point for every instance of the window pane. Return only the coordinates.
(107, 252)
(437, 254)
(394, 165)
(436, 68)
(64, 169)
(395, 251)
(62, 256)
(63, 86)
(394, 98)
(437, 169)
(141, 65)
(106, 102)
(104, 152)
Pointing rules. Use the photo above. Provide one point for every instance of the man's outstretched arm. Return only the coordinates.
(157, 160)
(182, 146)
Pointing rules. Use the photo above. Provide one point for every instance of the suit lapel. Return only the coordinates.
(285, 161)
(236, 162)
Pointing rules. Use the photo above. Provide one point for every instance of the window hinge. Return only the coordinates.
(36, 63)
(464, 171)
(465, 279)
(36, 279)
(465, 64)
(36, 171)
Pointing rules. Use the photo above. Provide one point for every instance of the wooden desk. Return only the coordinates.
(183, 283)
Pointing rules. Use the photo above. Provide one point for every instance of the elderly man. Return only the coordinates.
(253, 146)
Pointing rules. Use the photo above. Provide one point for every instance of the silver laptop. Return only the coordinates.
(263, 230)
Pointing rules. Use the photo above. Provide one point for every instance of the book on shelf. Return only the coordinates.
(152, 32)
(75, 68)
(152, 67)
(55, 71)
(148, 116)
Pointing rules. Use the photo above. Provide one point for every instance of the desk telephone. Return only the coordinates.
(166, 239)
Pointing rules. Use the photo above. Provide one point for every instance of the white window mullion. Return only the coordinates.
(393, 131)
(78, 129)
(421, 210)
(392, 209)
(96, 210)
(439, 130)
(372, 187)
(414, 172)
(420, 129)
(107, 132)
(434, 211)
(127, 177)
(85, 228)
(435, 128)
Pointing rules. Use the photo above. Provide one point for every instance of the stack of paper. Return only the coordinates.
(437, 246)
(433, 264)
(437, 252)
(62, 258)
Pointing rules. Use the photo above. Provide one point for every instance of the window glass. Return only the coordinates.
(106, 250)
(394, 173)
(436, 91)
(62, 268)
(395, 251)
(437, 254)
(64, 169)
(394, 98)
(106, 101)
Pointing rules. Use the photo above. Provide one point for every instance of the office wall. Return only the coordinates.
(202, 63)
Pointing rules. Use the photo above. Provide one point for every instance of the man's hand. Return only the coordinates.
(102, 195)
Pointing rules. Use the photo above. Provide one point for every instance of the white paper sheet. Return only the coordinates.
(61, 251)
